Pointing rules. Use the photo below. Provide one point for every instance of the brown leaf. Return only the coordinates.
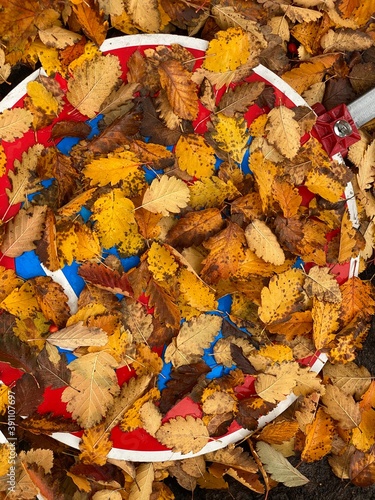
(106, 278)
(70, 128)
(181, 91)
(362, 468)
(181, 382)
(165, 308)
(116, 135)
(51, 299)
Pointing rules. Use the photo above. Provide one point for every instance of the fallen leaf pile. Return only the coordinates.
(211, 233)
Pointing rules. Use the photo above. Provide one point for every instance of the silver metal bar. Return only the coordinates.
(362, 110)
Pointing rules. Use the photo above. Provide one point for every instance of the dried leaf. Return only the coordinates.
(92, 387)
(279, 467)
(193, 337)
(167, 195)
(185, 435)
(23, 231)
(92, 82)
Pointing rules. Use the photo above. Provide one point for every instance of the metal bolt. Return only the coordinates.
(342, 128)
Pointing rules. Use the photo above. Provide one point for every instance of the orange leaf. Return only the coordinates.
(319, 437)
(91, 20)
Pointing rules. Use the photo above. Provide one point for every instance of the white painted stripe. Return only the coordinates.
(60, 278)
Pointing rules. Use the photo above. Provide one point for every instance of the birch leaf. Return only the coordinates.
(92, 387)
(145, 15)
(263, 242)
(185, 435)
(319, 437)
(166, 195)
(230, 134)
(322, 285)
(14, 123)
(283, 131)
(279, 467)
(23, 177)
(276, 382)
(300, 14)
(23, 231)
(92, 82)
(341, 407)
(78, 335)
(193, 338)
(227, 51)
(180, 89)
(141, 487)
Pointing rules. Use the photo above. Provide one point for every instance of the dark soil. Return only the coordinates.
(323, 485)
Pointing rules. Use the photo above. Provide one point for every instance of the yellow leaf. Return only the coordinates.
(299, 323)
(326, 317)
(195, 292)
(3, 161)
(282, 296)
(283, 131)
(195, 156)
(265, 173)
(14, 123)
(124, 167)
(8, 282)
(363, 436)
(322, 285)
(4, 390)
(264, 243)
(21, 302)
(329, 182)
(87, 246)
(278, 353)
(42, 98)
(5, 462)
(231, 135)
(166, 195)
(115, 223)
(227, 51)
(95, 445)
(32, 330)
(48, 56)
(146, 361)
(91, 51)
(82, 483)
(86, 312)
(92, 82)
(161, 263)
(319, 437)
(211, 192)
(76, 203)
(132, 419)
